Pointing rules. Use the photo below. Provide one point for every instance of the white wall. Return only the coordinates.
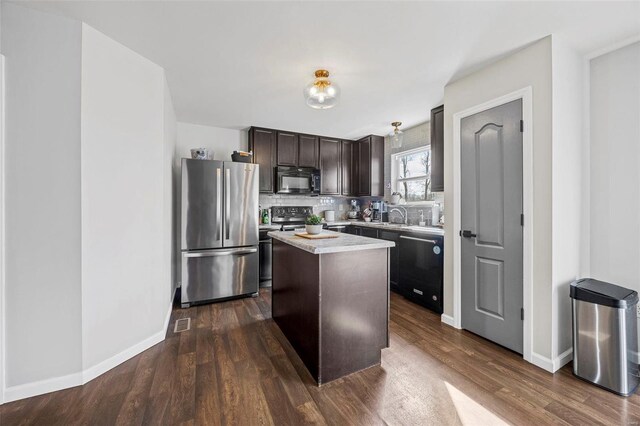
(221, 141)
(567, 181)
(530, 66)
(614, 170)
(170, 219)
(124, 294)
(43, 314)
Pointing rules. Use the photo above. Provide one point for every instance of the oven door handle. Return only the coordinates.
(422, 240)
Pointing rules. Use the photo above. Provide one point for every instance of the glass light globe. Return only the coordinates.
(321, 93)
(396, 135)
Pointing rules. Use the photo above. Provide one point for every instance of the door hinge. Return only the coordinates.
(522, 314)
(521, 126)
(522, 219)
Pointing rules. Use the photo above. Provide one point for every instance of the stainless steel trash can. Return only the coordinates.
(605, 339)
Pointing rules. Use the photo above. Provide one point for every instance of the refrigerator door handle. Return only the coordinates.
(227, 203)
(219, 205)
(212, 253)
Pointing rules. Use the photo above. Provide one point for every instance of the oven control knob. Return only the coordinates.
(434, 297)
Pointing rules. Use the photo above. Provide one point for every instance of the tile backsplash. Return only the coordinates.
(339, 204)
(342, 204)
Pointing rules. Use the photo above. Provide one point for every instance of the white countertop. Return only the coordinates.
(390, 226)
(344, 242)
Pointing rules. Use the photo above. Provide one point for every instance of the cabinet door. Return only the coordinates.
(437, 149)
(369, 232)
(348, 168)
(287, 149)
(394, 259)
(263, 144)
(330, 166)
(364, 166)
(376, 164)
(354, 230)
(307, 151)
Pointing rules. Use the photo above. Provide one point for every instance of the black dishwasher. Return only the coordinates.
(421, 269)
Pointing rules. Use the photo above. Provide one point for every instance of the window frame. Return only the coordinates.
(395, 174)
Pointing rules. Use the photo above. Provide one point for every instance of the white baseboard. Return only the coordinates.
(28, 390)
(562, 359)
(448, 319)
(91, 373)
(542, 362)
(552, 365)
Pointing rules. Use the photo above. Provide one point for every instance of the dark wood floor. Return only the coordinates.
(235, 367)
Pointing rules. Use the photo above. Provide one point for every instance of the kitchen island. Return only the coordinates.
(330, 298)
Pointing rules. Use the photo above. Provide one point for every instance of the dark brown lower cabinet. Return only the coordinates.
(354, 290)
(394, 258)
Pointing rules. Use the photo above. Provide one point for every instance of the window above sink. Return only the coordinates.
(411, 175)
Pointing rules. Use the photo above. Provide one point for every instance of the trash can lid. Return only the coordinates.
(602, 293)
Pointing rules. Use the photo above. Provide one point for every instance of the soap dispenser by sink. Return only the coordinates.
(422, 222)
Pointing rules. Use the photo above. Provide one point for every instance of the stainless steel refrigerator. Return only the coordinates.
(219, 227)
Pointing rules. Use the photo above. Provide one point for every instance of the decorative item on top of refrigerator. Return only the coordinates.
(201, 154)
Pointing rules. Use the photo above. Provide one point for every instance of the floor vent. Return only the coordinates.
(183, 324)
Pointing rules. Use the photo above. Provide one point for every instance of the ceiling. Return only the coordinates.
(238, 64)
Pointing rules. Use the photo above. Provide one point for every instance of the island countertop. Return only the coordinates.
(344, 242)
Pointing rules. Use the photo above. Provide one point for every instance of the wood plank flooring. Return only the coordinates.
(234, 367)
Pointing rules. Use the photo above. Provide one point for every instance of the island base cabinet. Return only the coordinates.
(333, 308)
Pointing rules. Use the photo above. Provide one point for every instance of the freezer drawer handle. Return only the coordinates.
(419, 239)
(212, 253)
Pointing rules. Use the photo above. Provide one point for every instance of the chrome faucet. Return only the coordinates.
(404, 215)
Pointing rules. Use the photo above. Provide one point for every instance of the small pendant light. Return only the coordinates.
(396, 135)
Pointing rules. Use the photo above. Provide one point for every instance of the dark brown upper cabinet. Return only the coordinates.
(370, 152)
(437, 149)
(263, 144)
(307, 151)
(349, 167)
(330, 166)
(287, 149)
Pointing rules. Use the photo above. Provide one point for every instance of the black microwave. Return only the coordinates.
(297, 180)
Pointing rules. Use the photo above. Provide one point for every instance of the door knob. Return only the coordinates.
(467, 234)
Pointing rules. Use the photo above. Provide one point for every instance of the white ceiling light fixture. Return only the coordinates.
(396, 135)
(322, 93)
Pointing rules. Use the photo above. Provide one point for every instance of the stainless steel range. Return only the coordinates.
(290, 217)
